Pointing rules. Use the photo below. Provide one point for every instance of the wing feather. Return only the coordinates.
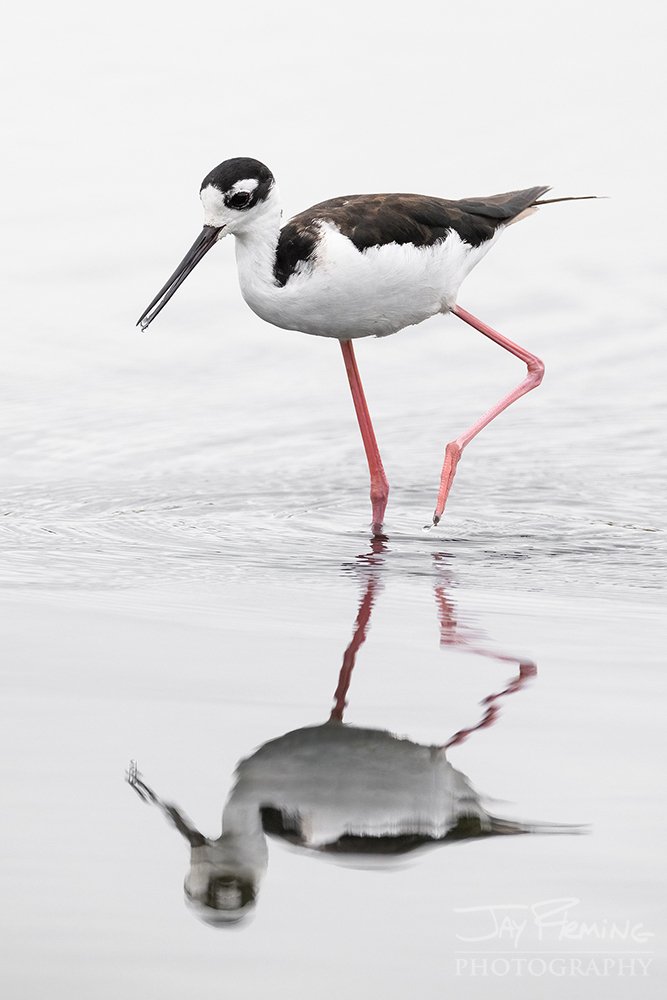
(372, 220)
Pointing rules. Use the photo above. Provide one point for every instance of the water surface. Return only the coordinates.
(186, 562)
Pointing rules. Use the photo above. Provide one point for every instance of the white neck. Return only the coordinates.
(257, 238)
(240, 850)
(256, 244)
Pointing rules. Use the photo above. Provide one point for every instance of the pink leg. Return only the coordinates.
(379, 484)
(350, 654)
(454, 448)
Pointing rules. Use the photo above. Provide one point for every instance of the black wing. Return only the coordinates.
(371, 220)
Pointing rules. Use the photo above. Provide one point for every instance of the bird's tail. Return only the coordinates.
(508, 826)
(571, 197)
(539, 201)
(512, 206)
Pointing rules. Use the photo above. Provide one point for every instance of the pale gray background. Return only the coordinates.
(183, 511)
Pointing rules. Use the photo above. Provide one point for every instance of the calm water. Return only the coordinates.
(186, 564)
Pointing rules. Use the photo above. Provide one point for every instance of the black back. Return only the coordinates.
(371, 220)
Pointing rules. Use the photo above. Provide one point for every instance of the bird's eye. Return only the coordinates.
(238, 200)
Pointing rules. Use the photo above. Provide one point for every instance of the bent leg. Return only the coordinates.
(455, 448)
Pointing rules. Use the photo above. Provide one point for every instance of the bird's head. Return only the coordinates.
(223, 899)
(236, 195)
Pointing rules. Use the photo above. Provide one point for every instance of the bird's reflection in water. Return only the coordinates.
(340, 789)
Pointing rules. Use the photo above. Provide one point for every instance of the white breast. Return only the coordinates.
(346, 293)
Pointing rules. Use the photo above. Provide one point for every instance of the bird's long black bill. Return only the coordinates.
(199, 249)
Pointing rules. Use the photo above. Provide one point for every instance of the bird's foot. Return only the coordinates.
(452, 455)
(379, 497)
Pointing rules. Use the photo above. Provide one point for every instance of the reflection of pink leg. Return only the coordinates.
(526, 671)
(379, 484)
(350, 654)
(454, 448)
(460, 636)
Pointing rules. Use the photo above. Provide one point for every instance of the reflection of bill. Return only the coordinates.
(338, 790)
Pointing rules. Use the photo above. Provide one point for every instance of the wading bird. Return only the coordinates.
(358, 266)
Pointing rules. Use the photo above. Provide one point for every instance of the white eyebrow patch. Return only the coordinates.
(245, 184)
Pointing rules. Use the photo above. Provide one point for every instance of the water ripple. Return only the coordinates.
(79, 537)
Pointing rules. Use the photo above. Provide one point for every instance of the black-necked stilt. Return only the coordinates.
(358, 266)
(338, 789)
